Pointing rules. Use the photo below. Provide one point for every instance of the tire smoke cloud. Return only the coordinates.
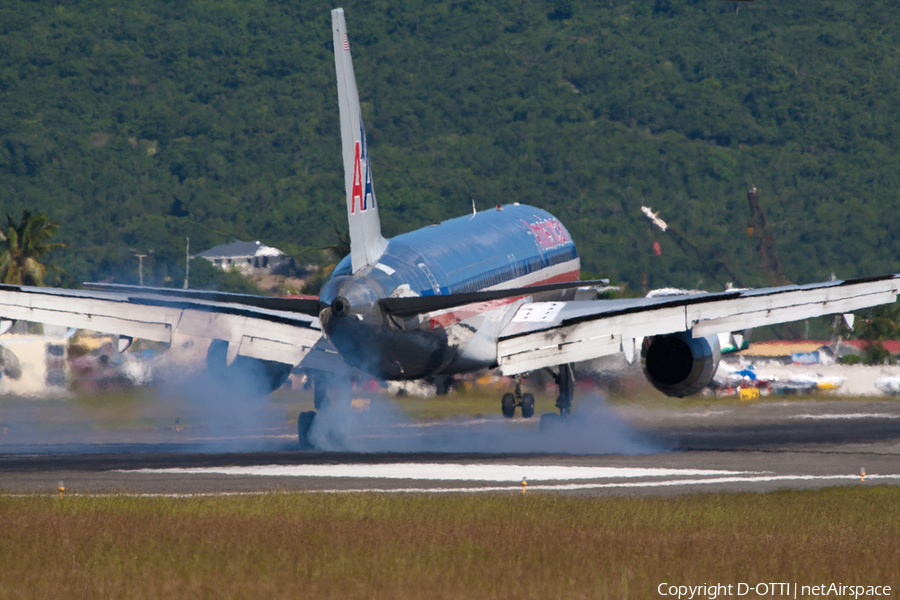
(594, 429)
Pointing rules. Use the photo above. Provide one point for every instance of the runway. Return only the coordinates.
(761, 447)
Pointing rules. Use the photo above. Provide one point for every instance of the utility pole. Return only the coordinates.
(187, 262)
(141, 258)
(141, 267)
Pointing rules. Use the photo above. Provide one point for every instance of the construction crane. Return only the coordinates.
(711, 260)
(714, 265)
(765, 244)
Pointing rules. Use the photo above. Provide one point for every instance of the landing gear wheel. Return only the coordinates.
(549, 422)
(527, 405)
(508, 404)
(304, 423)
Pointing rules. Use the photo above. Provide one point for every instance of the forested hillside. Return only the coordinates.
(135, 124)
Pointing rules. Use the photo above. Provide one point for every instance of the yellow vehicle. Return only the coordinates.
(749, 393)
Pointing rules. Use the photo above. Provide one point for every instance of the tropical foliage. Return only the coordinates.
(22, 244)
(876, 326)
(138, 124)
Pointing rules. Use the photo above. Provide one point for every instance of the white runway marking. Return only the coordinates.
(494, 488)
(443, 472)
(847, 416)
(623, 485)
(694, 415)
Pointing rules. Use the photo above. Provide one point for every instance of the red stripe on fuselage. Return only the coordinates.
(445, 319)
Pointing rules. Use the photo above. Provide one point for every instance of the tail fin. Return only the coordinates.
(366, 243)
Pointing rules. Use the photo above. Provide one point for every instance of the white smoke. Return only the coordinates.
(195, 411)
(594, 429)
(223, 416)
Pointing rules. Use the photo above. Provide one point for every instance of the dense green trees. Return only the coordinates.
(137, 124)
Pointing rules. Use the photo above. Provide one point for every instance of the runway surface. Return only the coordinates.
(626, 450)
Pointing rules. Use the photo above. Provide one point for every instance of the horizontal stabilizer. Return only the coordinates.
(409, 306)
(306, 306)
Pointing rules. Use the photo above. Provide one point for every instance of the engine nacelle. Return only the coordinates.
(678, 364)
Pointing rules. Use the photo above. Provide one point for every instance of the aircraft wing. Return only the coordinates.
(546, 334)
(258, 332)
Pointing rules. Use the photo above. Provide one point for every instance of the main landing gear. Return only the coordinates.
(304, 424)
(509, 402)
(565, 379)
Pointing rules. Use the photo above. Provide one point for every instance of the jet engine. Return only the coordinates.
(245, 376)
(678, 364)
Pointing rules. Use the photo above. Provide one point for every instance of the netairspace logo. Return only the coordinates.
(777, 589)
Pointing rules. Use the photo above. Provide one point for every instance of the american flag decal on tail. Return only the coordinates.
(346, 43)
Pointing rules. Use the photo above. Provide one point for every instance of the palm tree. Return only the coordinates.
(21, 244)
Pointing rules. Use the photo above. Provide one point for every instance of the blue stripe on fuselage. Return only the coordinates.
(473, 252)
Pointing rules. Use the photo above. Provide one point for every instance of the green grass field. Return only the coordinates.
(295, 545)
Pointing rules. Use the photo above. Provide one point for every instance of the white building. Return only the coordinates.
(246, 257)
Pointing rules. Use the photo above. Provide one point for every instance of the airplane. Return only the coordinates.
(496, 289)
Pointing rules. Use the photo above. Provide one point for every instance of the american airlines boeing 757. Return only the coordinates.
(498, 289)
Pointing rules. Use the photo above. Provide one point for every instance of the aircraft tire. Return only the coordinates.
(508, 405)
(304, 424)
(527, 405)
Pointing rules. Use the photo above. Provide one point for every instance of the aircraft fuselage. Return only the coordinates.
(513, 246)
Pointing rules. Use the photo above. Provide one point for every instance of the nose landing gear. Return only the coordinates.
(509, 402)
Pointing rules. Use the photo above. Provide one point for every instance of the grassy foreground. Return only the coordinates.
(428, 546)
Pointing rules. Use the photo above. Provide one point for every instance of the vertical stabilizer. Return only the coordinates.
(366, 243)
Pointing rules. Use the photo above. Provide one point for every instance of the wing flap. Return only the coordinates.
(574, 331)
(747, 313)
(150, 323)
(267, 349)
(249, 330)
(585, 340)
(252, 337)
(566, 352)
(324, 357)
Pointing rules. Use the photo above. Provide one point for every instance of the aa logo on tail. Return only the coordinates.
(360, 162)
(357, 193)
